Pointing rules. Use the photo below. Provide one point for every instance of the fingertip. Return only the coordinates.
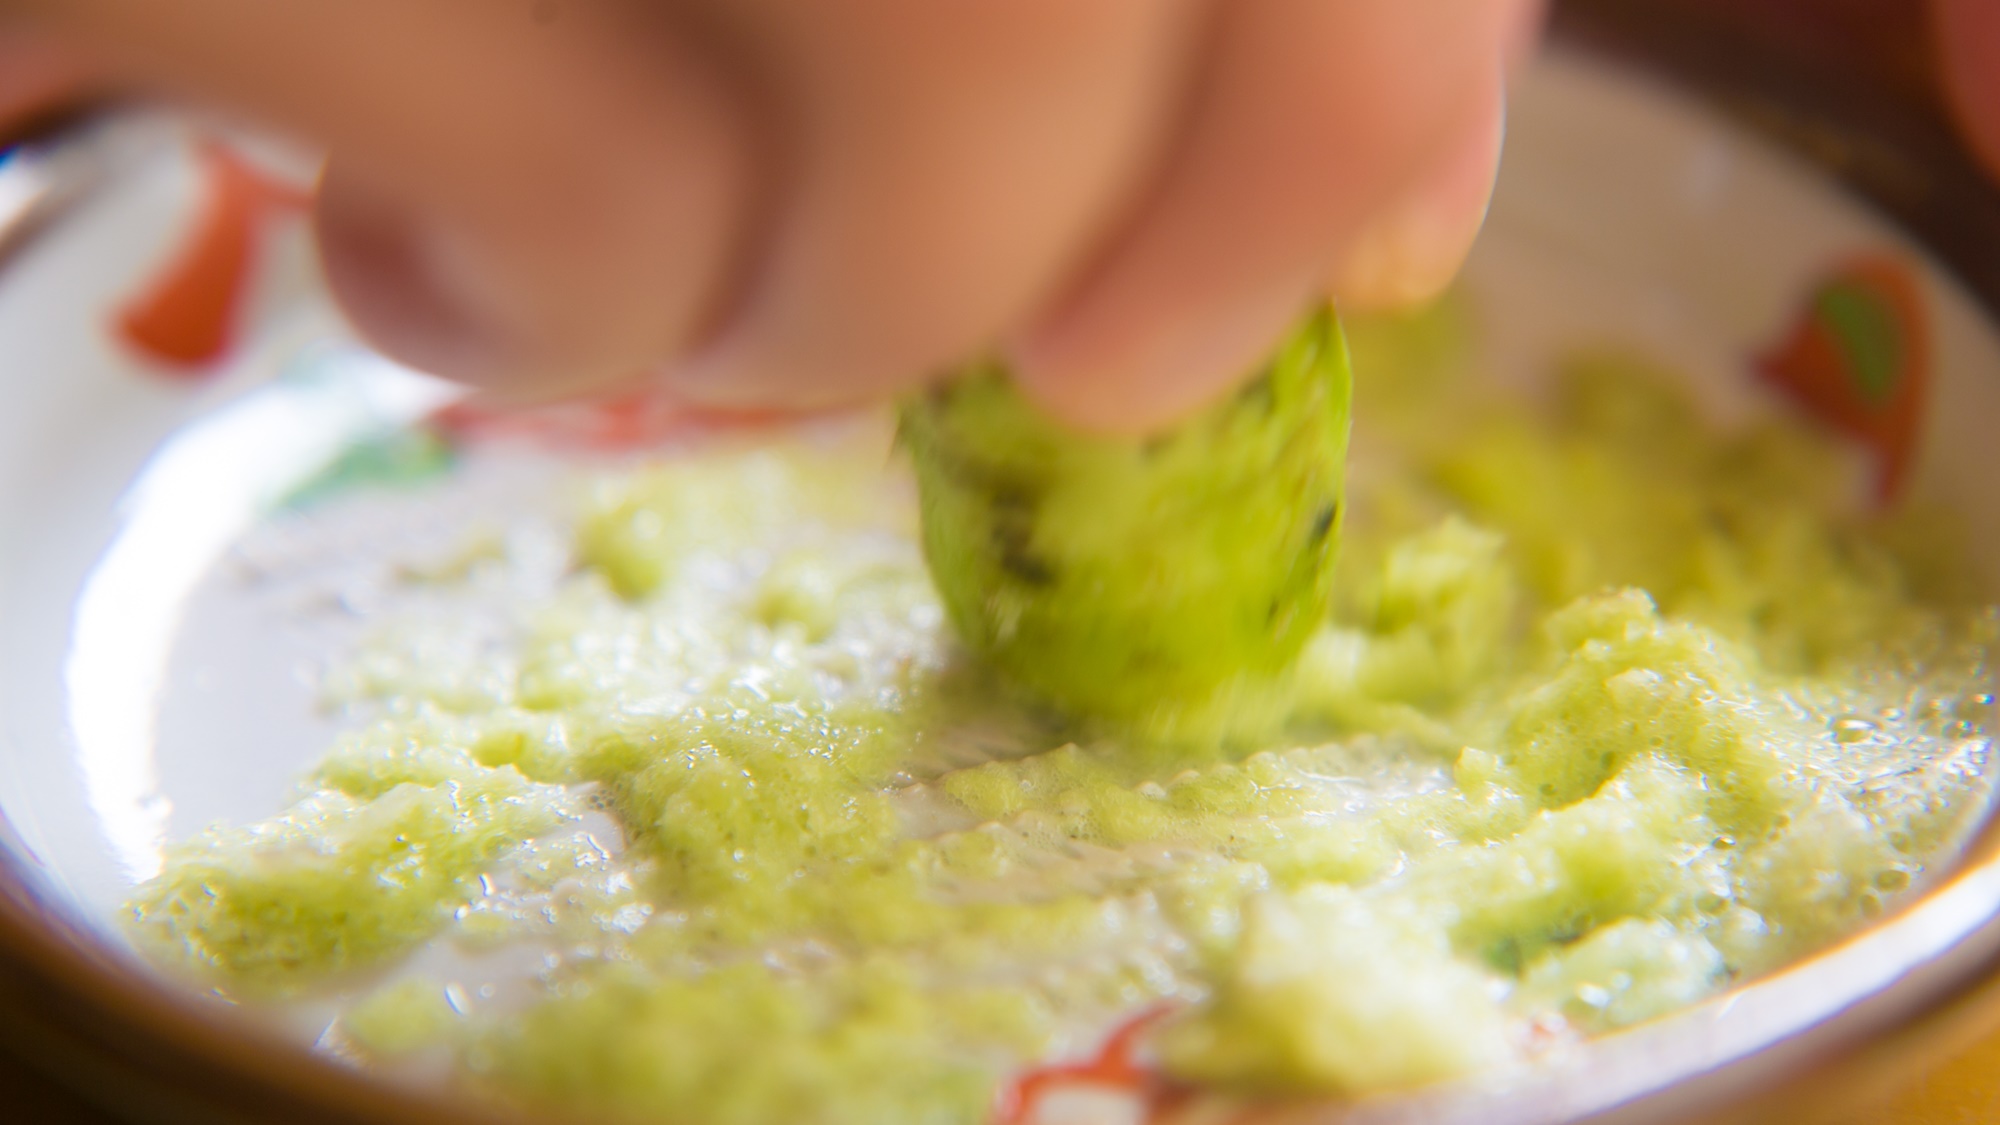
(534, 209)
(1415, 247)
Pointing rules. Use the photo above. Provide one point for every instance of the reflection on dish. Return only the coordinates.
(193, 499)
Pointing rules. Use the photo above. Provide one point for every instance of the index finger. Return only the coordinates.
(38, 78)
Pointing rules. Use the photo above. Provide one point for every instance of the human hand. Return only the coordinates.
(1967, 36)
(761, 202)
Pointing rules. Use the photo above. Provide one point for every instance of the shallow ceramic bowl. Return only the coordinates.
(134, 708)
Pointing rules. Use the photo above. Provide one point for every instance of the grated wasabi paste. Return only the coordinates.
(1612, 710)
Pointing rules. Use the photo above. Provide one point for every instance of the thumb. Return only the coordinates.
(508, 200)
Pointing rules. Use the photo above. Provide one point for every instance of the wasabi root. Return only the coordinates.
(1135, 580)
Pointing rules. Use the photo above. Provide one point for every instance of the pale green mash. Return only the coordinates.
(1612, 709)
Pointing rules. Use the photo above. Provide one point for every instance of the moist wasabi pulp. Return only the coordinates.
(1614, 709)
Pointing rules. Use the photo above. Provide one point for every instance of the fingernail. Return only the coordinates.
(1154, 369)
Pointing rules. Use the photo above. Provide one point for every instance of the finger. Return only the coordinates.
(509, 201)
(1411, 252)
(1313, 118)
(1521, 33)
(1967, 36)
(38, 78)
(946, 164)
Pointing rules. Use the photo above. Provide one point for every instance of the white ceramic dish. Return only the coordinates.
(140, 700)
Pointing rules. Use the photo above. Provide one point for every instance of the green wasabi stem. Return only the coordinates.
(1140, 582)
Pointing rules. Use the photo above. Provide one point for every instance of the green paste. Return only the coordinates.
(1612, 709)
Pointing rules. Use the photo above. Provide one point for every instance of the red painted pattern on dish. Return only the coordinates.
(1858, 360)
(184, 318)
(1114, 1067)
(625, 422)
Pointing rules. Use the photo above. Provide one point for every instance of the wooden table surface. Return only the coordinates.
(1961, 1091)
